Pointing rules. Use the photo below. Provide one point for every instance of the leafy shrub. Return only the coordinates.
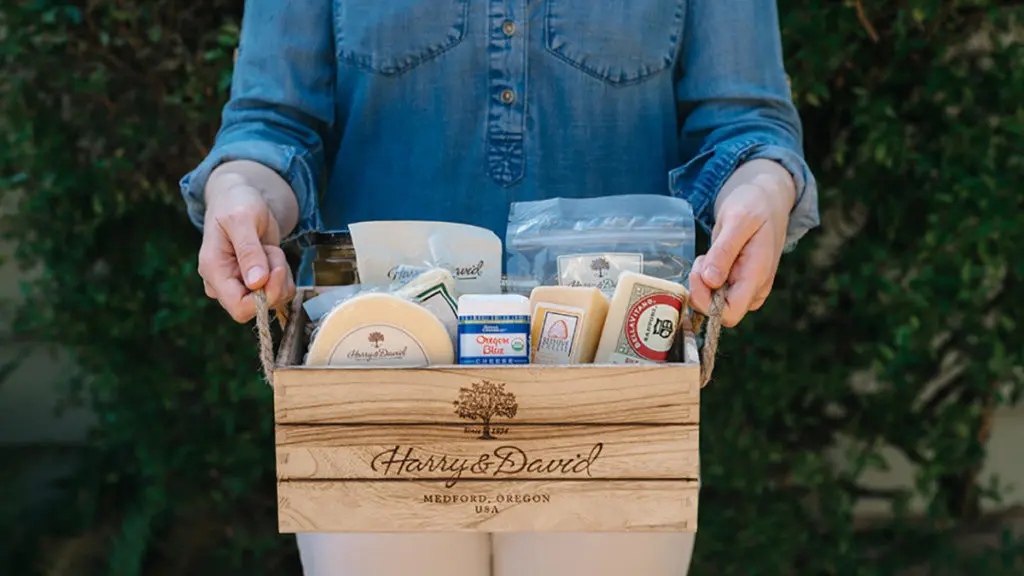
(894, 325)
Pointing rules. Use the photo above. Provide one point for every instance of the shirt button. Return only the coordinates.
(509, 28)
(508, 96)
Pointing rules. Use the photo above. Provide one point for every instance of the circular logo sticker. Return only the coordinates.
(518, 345)
(651, 325)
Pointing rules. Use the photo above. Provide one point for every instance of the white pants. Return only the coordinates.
(470, 554)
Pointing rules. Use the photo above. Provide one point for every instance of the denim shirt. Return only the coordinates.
(451, 109)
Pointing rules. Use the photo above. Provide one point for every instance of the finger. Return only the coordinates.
(758, 302)
(736, 229)
(762, 294)
(222, 280)
(237, 300)
(242, 232)
(700, 294)
(738, 299)
(277, 286)
(747, 277)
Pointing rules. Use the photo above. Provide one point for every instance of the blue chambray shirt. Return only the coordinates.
(451, 109)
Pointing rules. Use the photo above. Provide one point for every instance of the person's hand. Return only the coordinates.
(746, 245)
(241, 252)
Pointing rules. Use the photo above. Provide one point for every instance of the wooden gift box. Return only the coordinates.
(533, 448)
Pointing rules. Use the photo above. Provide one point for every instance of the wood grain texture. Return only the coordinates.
(333, 425)
(587, 394)
(453, 453)
(531, 506)
(293, 341)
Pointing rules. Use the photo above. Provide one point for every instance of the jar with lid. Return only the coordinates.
(335, 261)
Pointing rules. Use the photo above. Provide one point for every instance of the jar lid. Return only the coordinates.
(326, 237)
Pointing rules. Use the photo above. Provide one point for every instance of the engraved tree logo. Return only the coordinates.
(483, 401)
(375, 338)
(599, 265)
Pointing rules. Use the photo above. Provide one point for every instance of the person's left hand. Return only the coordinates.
(746, 243)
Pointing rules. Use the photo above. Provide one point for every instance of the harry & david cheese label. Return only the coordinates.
(380, 330)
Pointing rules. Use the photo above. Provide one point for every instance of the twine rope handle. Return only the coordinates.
(266, 340)
(708, 351)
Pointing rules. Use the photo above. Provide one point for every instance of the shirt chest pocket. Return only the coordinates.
(389, 37)
(617, 42)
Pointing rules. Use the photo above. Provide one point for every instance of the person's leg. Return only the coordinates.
(464, 554)
(593, 554)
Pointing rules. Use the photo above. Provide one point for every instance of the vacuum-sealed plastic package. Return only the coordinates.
(591, 241)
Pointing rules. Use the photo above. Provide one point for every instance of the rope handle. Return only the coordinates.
(708, 351)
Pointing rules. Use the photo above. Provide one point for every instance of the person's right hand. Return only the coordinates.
(241, 252)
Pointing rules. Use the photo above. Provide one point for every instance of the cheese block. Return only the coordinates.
(494, 329)
(435, 291)
(566, 323)
(380, 330)
(642, 321)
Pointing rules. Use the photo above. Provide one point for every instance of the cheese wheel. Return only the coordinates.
(642, 321)
(380, 330)
(566, 324)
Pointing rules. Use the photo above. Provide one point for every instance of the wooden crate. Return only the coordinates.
(493, 449)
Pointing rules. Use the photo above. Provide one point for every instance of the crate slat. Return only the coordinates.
(587, 394)
(576, 448)
(488, 506)
(517, 452)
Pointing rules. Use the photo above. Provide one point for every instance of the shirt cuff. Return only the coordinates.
(700, 180)
(281, 159)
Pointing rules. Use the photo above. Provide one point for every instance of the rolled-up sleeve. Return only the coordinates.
(281, 109)
(735, 105)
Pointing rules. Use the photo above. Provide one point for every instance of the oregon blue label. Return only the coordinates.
(494, 339)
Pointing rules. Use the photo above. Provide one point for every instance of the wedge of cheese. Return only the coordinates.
(642, 321)
(380, 330)
(435, 291)
(565, 324)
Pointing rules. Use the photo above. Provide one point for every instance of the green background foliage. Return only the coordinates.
(895, 324)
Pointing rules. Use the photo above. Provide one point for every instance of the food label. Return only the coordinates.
(599, 270)
(556, 333)
(648, 332)
(440, 303)
(379, 345)
(494, 340)
(402, 274)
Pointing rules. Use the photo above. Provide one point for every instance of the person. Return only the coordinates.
(353, 110)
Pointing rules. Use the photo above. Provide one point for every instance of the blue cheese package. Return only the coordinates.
(494, 329)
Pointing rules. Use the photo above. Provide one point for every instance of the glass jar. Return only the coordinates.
(335, 262)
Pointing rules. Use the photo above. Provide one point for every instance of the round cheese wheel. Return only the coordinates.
(380, 330)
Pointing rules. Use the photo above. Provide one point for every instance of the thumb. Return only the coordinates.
(726, 247)
(252, 259)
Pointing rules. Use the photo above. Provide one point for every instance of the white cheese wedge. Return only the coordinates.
(435, 291)
(642, 321)
(380, 330)
(565, 324)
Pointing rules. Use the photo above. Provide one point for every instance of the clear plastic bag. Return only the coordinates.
(590, 241)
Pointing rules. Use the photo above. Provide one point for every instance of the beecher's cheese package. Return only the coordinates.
(642, 321)
(565, 324)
